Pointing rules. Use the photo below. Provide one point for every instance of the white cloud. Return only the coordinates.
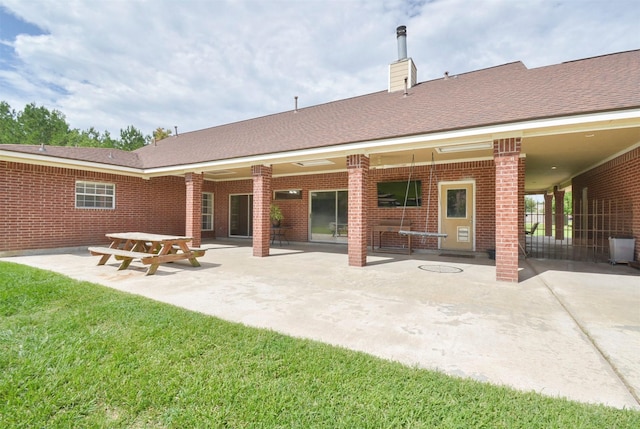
(196, 64)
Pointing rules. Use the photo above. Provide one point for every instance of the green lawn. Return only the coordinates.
(75, 354)
(568, 230)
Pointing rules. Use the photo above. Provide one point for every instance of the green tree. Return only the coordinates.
(9, 130)
(529, 205)
(161, 133)
(107, 141)
(568, 203)
(90, 138)
(38, 125)
(76, 139)
(131, 139)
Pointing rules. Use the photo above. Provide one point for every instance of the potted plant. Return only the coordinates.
(275, 214)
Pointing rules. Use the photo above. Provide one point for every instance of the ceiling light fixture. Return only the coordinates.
(220, 172)
(313, 163)
(465, 147)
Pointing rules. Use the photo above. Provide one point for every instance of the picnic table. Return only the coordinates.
(151, 249)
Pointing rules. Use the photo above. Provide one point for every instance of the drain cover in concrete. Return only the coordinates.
(440, 268)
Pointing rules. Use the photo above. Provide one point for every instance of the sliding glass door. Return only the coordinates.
(329, 216)
(241, 215)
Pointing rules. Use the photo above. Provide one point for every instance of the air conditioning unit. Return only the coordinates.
(621, 250)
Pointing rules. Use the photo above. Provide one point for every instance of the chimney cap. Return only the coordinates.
(401, 36)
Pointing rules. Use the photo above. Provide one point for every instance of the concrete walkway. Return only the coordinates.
(567, 329)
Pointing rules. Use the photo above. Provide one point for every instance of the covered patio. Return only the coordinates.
(568, 329)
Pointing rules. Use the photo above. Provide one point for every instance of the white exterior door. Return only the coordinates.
(457, 213)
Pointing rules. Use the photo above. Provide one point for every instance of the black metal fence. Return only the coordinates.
(586, 230)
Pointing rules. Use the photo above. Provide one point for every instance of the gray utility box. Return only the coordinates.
(621, 249)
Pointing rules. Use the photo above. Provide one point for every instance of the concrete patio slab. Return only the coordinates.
(567, 329)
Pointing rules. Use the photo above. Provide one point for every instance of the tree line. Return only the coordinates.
(38, 125)
(533, 206)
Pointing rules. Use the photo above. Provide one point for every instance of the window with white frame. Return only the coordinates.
(207, 211)
(90, 195)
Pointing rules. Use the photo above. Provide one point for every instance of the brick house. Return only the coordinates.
(467, 147)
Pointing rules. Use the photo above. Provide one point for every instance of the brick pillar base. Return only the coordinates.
(261, 203)
(193, 223)
(358, 171)
(509, 223)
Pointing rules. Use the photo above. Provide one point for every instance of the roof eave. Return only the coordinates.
(54, 161)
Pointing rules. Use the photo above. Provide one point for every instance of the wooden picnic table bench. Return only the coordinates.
(150, 249)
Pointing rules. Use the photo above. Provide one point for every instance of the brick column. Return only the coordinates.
(548, 215)
(358, 171)
(559, 196)
(193, 218)
(261, 203)
(509, 220)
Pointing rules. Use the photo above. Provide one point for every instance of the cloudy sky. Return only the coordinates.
(200, 63)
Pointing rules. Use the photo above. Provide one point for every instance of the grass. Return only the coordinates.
(75, 354)
(540, 231)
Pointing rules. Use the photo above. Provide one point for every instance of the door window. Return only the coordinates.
(456, 203)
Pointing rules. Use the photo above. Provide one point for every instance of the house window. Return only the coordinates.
(207, 211)
(91, 195)
(291, 194)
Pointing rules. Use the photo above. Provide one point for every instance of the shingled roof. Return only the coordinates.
(106, 156)
(504, 94)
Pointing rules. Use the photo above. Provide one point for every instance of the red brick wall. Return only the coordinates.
(37, 207)
(296, 212)
(482, 172)
(221, 192)
(617, 179)
(42, 213)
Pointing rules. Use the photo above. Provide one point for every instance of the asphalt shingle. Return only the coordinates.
(498, 95)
